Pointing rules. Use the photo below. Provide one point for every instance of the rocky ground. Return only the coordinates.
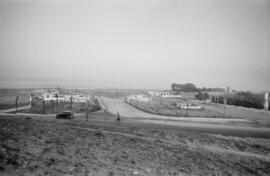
(36, 146)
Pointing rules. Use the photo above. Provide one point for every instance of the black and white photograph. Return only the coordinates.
(134, 87)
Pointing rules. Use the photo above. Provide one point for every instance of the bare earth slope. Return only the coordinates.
(39, 146)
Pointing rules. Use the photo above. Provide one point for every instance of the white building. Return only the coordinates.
(171, 96)
(80, 99)
(52, 96)
(140, 97)
(154, 93)
(164, 94)
(188, 106)
(49, 96)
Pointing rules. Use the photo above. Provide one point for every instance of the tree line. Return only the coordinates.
(242, 98)
(189, 87)
(245, 99)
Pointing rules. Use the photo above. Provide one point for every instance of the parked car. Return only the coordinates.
(65, 115)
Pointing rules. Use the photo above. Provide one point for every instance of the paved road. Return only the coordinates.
(141, 119)
(112, 105)
(105, 119)
(14, 109)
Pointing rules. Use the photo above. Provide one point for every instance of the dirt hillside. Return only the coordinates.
(32, 146)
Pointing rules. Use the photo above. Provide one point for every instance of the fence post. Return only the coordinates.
(118, 116)
(225, 103)
(16, 103)
(52, 106)
(56, 103)
(187, 108)
(43, 102)
(87, 110)
(31, 95)
(70, 103)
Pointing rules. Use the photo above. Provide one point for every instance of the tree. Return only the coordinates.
(173, 86)
(204, 89)
(202, 96)
(188, 87)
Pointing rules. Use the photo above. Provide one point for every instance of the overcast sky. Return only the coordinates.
(135, 43)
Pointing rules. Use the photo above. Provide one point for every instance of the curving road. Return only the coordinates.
(192, 124)
(113, 106)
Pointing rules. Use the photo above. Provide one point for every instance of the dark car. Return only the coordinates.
(65, 115)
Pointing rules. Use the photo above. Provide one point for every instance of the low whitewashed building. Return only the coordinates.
(140, 97)
(49, 96)
(188, 106)
(154, 93)
(52, 96)
(79, 99)
(171, 96)
(164, 94)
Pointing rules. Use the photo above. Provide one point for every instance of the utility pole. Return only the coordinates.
(225, 102)
(87, 110)
(70, 103)
(43, 102)
(16, 103)
(31, 95)
(266, 99)
(52, 106)
(116, 93)
(225, 99)
(62, 106)
(187, 110)
(56, 95)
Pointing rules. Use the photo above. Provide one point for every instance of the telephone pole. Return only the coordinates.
(70, 103)
(87, 110)
(31, 98)
(43, 102)
(56, 95)
(187, 110)
(16, 103)
(266, 99)
(225, 102)
(52, 107)
(116, 93)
